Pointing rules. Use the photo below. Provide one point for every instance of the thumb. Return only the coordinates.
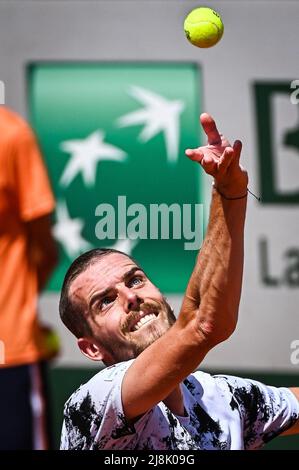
(194, 154)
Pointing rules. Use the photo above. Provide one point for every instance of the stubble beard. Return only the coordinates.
(136, 344)
(155, 329)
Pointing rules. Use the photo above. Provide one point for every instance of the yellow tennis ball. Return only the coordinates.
(52, 341)
(203, 27)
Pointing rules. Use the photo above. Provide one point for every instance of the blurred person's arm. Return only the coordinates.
(31, 186)
(42, 248)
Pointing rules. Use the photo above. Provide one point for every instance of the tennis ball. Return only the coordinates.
(203, 27)
(52, 342)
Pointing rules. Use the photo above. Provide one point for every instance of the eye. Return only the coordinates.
(135, 281)
(106, 301)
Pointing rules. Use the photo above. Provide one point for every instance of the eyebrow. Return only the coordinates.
(125, 277)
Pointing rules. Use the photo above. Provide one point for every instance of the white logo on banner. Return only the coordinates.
(285, 124)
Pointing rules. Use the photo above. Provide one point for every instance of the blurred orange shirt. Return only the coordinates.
(25, 195)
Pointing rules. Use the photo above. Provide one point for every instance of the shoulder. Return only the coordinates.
(221, 380)
(13, 123)
(97, 389)
(225, 386)
(199, 379)
(17, 138)
(95, 408)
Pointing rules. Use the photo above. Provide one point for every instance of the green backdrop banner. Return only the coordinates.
(113, 137)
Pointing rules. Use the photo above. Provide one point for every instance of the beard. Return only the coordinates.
(153, 330)
(137, 341)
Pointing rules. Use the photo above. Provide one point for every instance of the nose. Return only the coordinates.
(129, 299)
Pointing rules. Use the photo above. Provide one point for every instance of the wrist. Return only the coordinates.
(230, 198)
(231, 195)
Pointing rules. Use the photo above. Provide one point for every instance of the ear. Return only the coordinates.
(90, 349)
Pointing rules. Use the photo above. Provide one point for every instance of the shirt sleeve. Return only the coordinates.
(265, 411)
(31, 184)
(94, 418)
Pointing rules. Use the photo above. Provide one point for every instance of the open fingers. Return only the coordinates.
(209, 165)
(206, 161)
(195, 154)
(225, 160)
(230, 154)
(237, 151)
(210, 128)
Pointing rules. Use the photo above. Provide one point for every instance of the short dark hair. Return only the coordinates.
(71, 312)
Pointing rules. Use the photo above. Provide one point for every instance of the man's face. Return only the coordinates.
(125, 311)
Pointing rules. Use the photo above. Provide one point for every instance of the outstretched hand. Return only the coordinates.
(221, 160)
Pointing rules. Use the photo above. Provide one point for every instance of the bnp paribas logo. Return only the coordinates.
(113, 136)
(277, 119)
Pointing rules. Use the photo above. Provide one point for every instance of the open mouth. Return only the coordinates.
(148, 312)
(143, 321)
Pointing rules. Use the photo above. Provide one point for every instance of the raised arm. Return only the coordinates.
(214, 289)
(210, 307)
